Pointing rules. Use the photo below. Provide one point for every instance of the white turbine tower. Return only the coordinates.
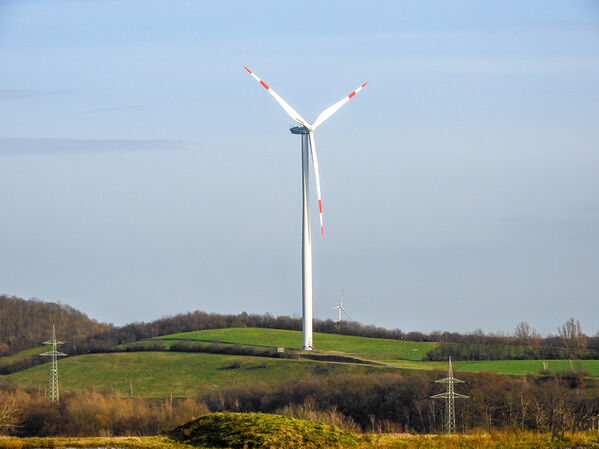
(339, 307)
(306, 130)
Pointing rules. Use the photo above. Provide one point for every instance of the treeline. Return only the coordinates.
(27, 323)
(89, 413)
(506, 352)
(400, 402)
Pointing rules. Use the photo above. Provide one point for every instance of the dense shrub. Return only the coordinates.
(506, 352)
(93, 414)
(400, 402)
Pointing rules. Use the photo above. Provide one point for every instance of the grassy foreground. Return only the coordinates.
(496, 440)
(156, 442)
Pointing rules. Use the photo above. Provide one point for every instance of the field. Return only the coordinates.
(158, 374)
(512, 440)
(10, 359)
(396, 353)
(516, 367)
(378, 348)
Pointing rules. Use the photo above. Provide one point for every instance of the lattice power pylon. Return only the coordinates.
(53, 391)
(449, 396)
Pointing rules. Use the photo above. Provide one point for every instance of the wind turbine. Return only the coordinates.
(306, 130)
(339, 307)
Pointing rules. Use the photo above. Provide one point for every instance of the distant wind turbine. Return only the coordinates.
(306, 130)
(339, 307)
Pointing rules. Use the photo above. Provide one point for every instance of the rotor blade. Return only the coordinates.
(288, 109)
(347, 314)
(317, 178)
(334, 108)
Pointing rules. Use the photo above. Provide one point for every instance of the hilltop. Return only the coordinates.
(27, 323)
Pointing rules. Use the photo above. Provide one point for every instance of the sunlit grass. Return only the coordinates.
(158, 374)
(378, 348)
(516, 367)
(495, 440)
(22, 355)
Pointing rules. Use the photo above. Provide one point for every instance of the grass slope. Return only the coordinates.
(14, 358)
(398, 353)
(158, 374)
(260, 430)
(518, 367)
(378, 348)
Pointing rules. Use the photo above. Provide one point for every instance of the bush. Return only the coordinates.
(258, 430)
(310, 412)
(90, 413)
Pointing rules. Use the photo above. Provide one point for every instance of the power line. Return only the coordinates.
(53, 391)
(449, 396)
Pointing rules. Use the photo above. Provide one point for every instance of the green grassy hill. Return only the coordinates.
(158, 374)
(19, 356)
(373, 348)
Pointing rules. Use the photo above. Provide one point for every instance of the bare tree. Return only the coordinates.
(571, 335)
(9, 412)
(526, 335)
(522, 333)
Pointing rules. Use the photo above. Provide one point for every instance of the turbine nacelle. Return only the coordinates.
(299, 130)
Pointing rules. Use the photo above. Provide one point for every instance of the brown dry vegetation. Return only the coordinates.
(495, 440)
(94, 414)
(400, 402)
(380, 403)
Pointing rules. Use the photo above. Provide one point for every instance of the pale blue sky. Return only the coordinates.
(144, 173)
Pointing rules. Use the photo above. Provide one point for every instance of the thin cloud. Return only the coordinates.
(110, 109)
(17, 94)
(17, 146)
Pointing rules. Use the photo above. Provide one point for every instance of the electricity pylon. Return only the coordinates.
(449, 396)
(53, 391)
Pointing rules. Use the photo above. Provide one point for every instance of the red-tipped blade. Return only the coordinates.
(317, 179)
(288, 109)
(334, 108)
